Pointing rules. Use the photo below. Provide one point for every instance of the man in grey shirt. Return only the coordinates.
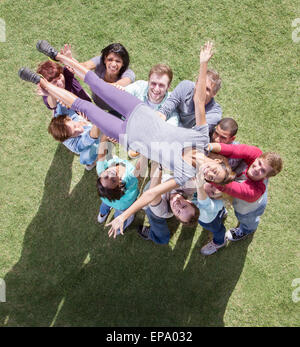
(181, 100)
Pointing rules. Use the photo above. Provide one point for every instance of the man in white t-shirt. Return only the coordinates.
(175, 203)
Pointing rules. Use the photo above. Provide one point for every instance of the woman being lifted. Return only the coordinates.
(179, 150)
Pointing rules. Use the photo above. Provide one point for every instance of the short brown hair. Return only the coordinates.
(162, 69)
(58, 129)
(193, 219)
(274, 160)
(215, 78)
(49, 70)
(228, 124)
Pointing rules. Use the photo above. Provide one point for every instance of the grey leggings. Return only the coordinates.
(121, 101)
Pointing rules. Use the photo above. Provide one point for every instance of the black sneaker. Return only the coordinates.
(143, 231)
(235, 234)
(44, 46)
(28, 75)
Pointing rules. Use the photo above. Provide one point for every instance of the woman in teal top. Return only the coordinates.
(117, 183)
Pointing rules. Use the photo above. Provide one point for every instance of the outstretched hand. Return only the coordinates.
(66, 51)
(41, 91)
(116, 224)
(112, 140)
(206, 52)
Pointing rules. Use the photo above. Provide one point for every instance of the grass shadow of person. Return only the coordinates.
(71, 274)
(55, 245)
(131, 282)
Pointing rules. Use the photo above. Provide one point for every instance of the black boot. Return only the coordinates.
(44, 46)
(28, 75)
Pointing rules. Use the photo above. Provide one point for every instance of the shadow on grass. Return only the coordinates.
(71, 274)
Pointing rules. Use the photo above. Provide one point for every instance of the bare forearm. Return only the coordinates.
(200, 92)
(144, 200)
(155, 174)
(80, 69)
(95, 132)
(89, 65)
(58, 93)
(147, 197)
(125, 81)
(201, 83)
(102, 148)
(201, 195)
(51, 101)
(200, 95)
(141, 167)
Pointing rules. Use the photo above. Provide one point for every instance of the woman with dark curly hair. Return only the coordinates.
(117, 182)
(112, 65)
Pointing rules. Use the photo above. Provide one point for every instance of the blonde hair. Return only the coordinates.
(216, 79)
(274, 160)
(162, 69)
(229, 174)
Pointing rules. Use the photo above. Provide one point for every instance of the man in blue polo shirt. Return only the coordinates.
(154, 92)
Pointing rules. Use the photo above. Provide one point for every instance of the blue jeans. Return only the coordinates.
(216, 227)
(104, 209)
(249, 221)
(159, 230)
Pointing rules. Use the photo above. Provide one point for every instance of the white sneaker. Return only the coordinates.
(211, 248)
(90, 167)
(101, 218)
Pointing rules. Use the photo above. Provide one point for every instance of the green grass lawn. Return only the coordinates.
(59, 266)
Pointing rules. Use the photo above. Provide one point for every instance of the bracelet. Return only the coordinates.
(160, 167)
(209, 147)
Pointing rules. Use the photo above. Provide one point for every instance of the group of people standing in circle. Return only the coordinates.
(195, 159)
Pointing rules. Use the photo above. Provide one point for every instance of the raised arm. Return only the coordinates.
(102, 148)
(249, 190)
(144, 200)
(201, 194)
(141, 167)
(155, 174)
(206, 53)
(90, 65)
